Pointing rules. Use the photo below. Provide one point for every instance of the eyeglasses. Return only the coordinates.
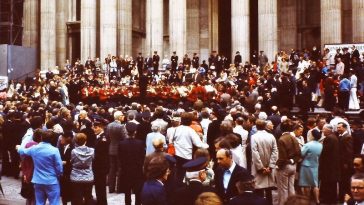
(357, 188)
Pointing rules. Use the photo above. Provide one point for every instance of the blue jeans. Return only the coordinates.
(47, 191)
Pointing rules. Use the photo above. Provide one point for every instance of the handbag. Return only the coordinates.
(171, 149)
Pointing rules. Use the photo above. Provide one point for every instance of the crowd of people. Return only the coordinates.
(188, 133)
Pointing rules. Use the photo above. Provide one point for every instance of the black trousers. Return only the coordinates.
(328, 192)
(266, 193)
(180, 171)
(80, 192)
(344, 184)
(100, 189)
(134, 186)
(343, 98)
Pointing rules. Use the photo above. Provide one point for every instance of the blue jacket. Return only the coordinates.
(81, 160)
(153, 193)
(311, 153)
(47, 163)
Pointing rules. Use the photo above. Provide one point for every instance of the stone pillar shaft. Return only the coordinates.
(124, 27)
(88, 29)
(330, 22)
(193, 27)
(154, 27)
(287, 24)
(108, 28)
(268, 29)
(177, 27)
(240, 38)
(358, 21)
(48, 34)
(31, 23)
(61, 32)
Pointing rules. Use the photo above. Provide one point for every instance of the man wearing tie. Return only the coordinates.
(227, 174)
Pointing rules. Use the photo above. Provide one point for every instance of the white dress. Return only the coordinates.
(353, 100)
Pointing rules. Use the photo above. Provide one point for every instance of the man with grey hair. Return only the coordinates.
(115, 132)
(155, 134)
(329, 166)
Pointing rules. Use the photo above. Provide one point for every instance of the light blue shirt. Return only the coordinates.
(227, 175)
(47, 163)
(149, 142)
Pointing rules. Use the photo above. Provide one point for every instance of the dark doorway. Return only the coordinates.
(254, 39)
(225, 28)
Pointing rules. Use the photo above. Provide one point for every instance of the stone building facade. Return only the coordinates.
(78, 29)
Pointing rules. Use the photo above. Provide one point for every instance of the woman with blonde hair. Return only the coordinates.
(208, 198)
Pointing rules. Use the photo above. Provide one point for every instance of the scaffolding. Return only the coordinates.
(11, 22)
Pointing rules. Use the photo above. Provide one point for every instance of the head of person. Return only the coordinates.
(316, 134)
(327, 129)
(321, 121)
(37, 135)
(98, 127)
(196, 169)
(186, 118)
(48, 136)
(226, 127)
(357, 187)
(67, 138)
(224, 158)
(287, 126)
(208, 198)
(158, 144)
(359, 164)
(260, 124)
(82, 115)
(131, 129)
(341, 127)
(298, 129)
(158, 168)
(36, 122)
(119, 116)
(80, 139)
(245, 183)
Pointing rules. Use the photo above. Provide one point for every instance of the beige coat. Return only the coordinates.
(264, 154)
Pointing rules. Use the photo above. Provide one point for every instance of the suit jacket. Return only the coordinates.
(231, 190)
(131, 157)
(329, 166)
(115, 132)
(288, 148)
(248, 198)
(66, 156)
(153, 193)
(187, 195)
(346, 152)
(100, 164)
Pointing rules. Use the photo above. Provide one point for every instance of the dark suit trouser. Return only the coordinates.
(266, 193)
(136, 186)
(344, 185)
(113, 172)
(343, 99)
(180, 171)
(328, 192)
(100, 189)
(82, 191)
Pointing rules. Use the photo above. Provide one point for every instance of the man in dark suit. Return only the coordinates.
(148, 62)
(195, 175)
(329, 169)
(346, 159)
(156, 59)
(100, 165)
(132, 153)
(245, 186)
(153, 191)
(357, 190)
(115, 132)
(65, 149)
(237, 59)
(227, 174)
(174, 61)
(139, 62)
(195, 61)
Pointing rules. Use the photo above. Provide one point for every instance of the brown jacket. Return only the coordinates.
(288, 148)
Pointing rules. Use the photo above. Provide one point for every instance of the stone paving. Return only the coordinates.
(12, 186)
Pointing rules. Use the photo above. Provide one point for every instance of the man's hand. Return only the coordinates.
(17, 147)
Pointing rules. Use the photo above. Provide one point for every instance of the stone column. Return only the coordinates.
(61, 32)
(268, 29)
(177, 27)
(358, 21)
(47, 34)
(154, 27)
(88, 29)
(330, 22)
(124, 27)
(193, 27)
(31, 23)
(287, 25)
(108, 28)
(240, 35)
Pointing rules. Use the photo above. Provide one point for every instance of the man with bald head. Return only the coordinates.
(227, 174)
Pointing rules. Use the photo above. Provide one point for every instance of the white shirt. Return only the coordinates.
(227, 175)
(353, 81)
(185, 138)
(205, 126)
(238, 129)
(338, 119)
